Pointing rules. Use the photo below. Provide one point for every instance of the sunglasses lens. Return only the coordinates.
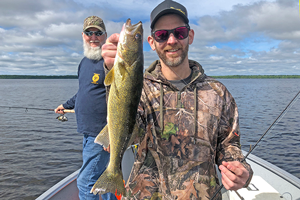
(98, 33)
(161, 35)
(181, 33)
(90, 33)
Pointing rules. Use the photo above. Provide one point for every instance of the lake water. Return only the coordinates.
(37, 150)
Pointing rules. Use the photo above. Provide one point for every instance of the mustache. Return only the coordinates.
(172, 47)
(92, 41)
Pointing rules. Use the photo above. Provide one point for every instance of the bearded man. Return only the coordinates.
(188, 121)
(90, 107)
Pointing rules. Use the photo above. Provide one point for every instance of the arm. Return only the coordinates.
(70, 104)
(236, 173)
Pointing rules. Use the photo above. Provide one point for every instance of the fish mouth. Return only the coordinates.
(132, 27)
(128, 22)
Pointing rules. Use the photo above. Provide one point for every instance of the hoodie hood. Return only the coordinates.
(154, 73)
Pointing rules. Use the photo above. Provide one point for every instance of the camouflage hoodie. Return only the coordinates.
(183, 135)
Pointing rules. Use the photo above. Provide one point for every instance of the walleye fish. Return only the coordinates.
(126, 83)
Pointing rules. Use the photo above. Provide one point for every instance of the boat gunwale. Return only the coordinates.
(274, 169)
(59, 186)
(51, 192)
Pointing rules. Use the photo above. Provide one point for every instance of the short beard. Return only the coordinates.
(173, 62)
(93, 53)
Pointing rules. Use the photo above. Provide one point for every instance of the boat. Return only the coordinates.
(268, 183)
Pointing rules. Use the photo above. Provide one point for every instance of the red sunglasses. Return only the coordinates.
(180, 33)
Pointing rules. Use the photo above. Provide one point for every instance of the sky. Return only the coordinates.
(233, 37)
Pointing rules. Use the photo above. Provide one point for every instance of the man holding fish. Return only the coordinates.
(90, 107)
(187, 121)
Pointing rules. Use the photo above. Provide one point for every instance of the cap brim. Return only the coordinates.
(94, 26)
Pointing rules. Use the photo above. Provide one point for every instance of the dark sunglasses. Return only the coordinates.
(97, 33)
(180, 33)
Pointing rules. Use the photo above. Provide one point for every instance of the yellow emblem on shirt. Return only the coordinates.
(95, 78)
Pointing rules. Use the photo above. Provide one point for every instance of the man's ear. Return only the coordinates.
(151, 42)
(191, 36)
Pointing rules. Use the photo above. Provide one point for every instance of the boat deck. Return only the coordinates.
(268, 183)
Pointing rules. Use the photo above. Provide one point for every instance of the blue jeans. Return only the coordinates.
(94, 163)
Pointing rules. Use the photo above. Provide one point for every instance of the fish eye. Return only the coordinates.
(138, 36)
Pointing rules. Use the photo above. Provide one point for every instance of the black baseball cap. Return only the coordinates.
(168, 7)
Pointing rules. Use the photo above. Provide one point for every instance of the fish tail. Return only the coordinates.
(109, 182)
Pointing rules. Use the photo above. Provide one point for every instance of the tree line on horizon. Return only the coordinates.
(38, 77)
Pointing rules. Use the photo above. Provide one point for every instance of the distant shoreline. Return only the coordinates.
(257, 76)
(37, 77)
(217, 77)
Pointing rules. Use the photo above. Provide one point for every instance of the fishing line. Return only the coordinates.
(274, 123)
(31, 108)
(26, 108)
(61, 117)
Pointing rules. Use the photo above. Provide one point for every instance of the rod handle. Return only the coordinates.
(69, 111)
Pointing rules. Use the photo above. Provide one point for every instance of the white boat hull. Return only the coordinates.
(268, 183)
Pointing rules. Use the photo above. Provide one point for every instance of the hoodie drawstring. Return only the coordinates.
(195, 114)
(161, 108)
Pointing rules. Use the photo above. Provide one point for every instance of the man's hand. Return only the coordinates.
(59, 109)
(234, 175)
(107, 149)
(109, 50)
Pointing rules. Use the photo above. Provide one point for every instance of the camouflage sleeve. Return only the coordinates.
(229, 147)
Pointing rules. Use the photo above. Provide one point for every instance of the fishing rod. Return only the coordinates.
(61, 117)
(27, 108)
(221, 186)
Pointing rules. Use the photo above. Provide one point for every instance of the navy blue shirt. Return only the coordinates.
(90, 100)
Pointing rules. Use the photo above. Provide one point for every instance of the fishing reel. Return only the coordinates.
(62, 118)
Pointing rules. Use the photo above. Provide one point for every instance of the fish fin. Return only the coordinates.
(109, 77)
(109, 182)
(135, 132)
(103, 137)
(122, 70)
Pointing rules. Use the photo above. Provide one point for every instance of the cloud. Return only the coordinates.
(231, 37)
(258, 38)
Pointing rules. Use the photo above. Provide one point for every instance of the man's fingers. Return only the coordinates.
(228, 184)
(234, 175)
(114, 38)
(229, 174)
(235, 167)
(107, 149)
(109, 50)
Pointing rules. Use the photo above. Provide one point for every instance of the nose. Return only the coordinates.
(93, 37)
(172, 39)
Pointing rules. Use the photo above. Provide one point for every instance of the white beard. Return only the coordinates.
(93, 53)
